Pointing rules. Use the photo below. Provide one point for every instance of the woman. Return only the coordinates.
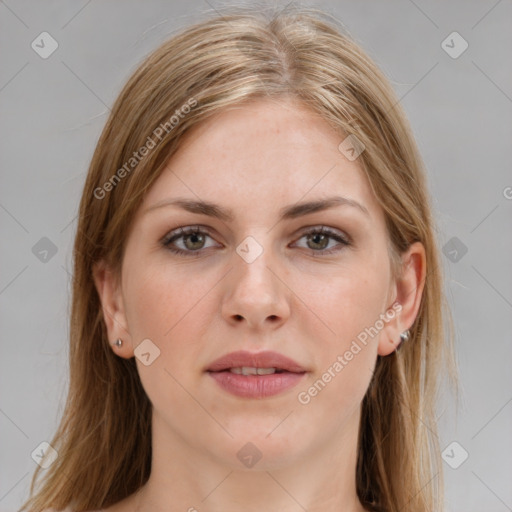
(257, 316)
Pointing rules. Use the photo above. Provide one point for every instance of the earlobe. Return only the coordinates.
(409, 290)
(109, 292)
(391, 336)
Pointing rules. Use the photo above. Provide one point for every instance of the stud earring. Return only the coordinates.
(404, 336)
(118, 342)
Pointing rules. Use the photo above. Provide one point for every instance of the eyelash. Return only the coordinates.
(191, 230)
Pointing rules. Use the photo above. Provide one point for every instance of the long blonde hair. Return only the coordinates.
(104, 438)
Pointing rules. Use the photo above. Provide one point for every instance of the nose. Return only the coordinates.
(256, 293)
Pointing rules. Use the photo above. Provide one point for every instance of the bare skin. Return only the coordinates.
(305, 297)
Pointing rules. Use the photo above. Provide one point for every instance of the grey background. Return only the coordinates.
(52, 111)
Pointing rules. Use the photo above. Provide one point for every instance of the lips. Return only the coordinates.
(245, 359)
(255, 375)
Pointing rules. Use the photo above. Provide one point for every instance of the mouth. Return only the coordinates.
(255, 375)
(250, 370)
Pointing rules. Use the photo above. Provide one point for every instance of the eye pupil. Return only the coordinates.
(315, 239)
(194, 237)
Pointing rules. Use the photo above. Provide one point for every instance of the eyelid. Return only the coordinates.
(178, 232)
(321, 228)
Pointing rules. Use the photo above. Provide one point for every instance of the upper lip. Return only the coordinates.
(267, 359)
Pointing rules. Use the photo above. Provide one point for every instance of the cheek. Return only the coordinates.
(163, 306)
(167, 306)
(157, 298)
(351, 306)
(350, 303)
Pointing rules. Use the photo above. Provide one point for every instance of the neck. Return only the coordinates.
(186, 479)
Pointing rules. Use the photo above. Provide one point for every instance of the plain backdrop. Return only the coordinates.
(459, 102)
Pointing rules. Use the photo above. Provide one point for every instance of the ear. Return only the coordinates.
(408, 290)
(109, 290)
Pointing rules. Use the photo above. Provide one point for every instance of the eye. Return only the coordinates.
(193, 238)
(318, 240)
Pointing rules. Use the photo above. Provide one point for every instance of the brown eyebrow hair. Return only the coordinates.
(288, 212)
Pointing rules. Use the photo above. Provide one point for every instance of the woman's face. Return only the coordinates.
(256, 280)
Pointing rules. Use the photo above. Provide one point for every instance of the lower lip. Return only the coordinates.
(256, 386)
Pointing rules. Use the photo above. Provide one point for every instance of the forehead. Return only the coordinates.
(263, 153)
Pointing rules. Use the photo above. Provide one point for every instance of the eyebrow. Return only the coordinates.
(288, 212)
